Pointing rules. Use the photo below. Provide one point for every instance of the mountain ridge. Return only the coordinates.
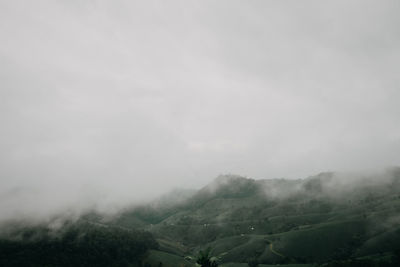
(328, 219)
(288, 212)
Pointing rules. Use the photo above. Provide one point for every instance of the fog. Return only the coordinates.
(104, 103)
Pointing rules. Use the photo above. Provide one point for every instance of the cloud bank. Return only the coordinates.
(119, 101)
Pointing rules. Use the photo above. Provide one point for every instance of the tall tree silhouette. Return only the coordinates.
(204, 259)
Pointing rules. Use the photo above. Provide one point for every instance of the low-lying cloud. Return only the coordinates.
(108, 103)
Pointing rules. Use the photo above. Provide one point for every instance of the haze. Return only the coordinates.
(118, 101)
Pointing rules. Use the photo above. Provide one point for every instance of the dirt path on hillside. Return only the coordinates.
(271, 248)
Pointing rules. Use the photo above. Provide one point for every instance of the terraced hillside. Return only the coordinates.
(327, 219)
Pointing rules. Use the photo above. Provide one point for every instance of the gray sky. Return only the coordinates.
(119, 100)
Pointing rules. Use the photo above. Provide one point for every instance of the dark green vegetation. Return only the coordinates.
(325, 220)
(74, 244)
(205, 260)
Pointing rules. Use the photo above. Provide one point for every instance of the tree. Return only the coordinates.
(204, 258)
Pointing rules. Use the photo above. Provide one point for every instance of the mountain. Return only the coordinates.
(324, 219)
(329, 219)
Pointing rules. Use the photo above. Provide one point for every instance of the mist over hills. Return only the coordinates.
(329, 219)
(106, 106)
(340, 218)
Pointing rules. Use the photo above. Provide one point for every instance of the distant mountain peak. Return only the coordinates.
(226, 178)
(230, 185)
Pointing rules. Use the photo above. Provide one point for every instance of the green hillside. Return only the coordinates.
(324, 220)
(321, 220)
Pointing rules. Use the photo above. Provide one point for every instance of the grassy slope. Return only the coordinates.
(167, 259)
(240, 221)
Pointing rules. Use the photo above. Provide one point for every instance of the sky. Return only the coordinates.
(118, 101)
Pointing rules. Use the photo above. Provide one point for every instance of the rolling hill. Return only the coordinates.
(325, 220)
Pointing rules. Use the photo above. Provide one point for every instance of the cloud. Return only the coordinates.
(133, 98)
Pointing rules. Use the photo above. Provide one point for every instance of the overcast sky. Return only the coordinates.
(118, 100)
